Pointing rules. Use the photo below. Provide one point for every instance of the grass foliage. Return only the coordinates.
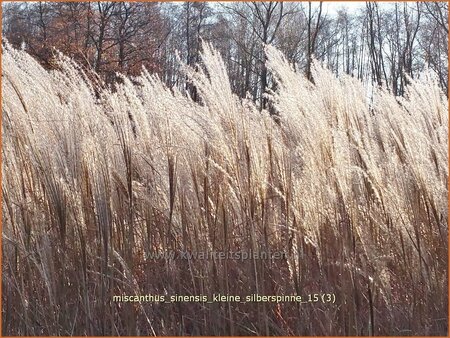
(350, 185)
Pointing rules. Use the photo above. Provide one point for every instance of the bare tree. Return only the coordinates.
(313, 30)
(383, 44)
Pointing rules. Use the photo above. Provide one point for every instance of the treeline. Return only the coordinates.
(383, 43)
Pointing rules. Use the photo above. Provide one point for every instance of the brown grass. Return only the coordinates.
(351, 187)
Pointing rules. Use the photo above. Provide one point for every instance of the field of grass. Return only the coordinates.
(349, 184)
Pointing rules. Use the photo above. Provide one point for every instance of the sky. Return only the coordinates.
(352, 6)
(332, 6)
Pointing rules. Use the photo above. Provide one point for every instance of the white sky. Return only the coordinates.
(352, 6)
(330, 6)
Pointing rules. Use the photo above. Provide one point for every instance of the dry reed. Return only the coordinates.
(352, 188)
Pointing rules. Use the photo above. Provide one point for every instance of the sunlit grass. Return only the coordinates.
(352, 189)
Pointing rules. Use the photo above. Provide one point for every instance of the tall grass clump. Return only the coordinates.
(351, 189)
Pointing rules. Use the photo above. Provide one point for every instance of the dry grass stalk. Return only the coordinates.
(354, 194)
